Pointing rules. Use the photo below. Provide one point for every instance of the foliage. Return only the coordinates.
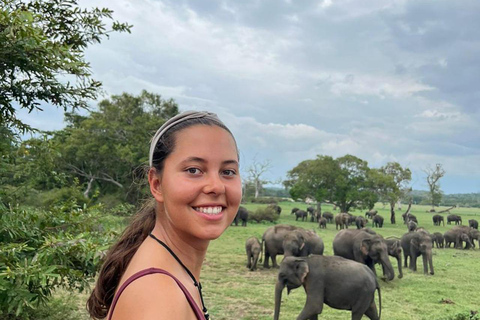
(464, 316)
(345, 182)
(42, 250)
(265, 200)
(42, 55)
(264, 214)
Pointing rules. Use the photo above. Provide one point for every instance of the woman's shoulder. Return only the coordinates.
(153, 295)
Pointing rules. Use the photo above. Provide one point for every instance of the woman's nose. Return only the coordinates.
(214, 184)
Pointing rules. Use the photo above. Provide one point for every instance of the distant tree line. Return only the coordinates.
(461, 199)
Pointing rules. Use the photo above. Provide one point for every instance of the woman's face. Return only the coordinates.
(200, 186)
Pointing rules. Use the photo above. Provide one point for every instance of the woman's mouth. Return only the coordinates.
(209, 210)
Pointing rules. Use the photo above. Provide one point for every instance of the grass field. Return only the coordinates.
(233, 292)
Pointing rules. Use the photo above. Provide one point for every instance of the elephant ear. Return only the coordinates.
(415, 242)
(362, 249)
(301, 269)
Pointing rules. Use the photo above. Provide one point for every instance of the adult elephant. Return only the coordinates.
(328, 215)
(301, 214)
(361, 222)
(301, 243)
(294, 210)
(338, 282)
(475, 235)
(415, 244)
(473, 224)
(370, 213)
(437, 219)
(311, 212)
(272, 242)
(377, 221)
(395, 250)
(341, 220)
(365, 248)
(242, 214)
(455, 218)
(457, 235)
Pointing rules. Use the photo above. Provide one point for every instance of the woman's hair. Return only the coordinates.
(143, 222)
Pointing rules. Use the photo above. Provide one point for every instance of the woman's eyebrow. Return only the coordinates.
(201, 160)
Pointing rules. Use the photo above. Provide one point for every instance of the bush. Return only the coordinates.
(56, 197)
(265, 200)
(264, 214)
(43, 250)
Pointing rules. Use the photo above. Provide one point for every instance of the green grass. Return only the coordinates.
(233, 292)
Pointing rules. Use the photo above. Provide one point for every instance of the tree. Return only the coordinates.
(107, 147)
(433, 176)
(344, 182)
(255, 173)
(42, 55)
(391, 183)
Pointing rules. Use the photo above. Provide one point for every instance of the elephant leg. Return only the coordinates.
(313, 307)
(267, 257)
(249, 261)
(413, 262)
(372, 312)
(274, 261)
(405, 258)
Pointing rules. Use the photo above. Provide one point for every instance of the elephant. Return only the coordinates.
(301, 243)
(301, 214)
(324, 280)
(341, 220)
(437, 219)
(318, 215)
(273, 242)
(242, 214)
(371, 213)
(473, 224)
(415, 244)
(254, 251)
(361, 222)
(322, 223)
(457, 235)
(377, 221)
(454, 217)
(365, 248)
(351, 219)
(328, 215)
(412, 226)
(395, 250)
(276, 208)
(438, 239)
(294, 210)
(475, 235)
(311, 212)
(408, 216)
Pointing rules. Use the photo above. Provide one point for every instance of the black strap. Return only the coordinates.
(197, 284)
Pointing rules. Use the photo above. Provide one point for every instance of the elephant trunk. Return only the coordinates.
(399, 262)
(428, 258)
(388, 269)
(278, 299)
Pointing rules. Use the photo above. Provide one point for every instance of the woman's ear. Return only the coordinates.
(155, 182)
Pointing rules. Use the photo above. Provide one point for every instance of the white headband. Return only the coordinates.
(176, 120)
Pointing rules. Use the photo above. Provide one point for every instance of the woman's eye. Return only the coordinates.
(229, 172)
(193, 171)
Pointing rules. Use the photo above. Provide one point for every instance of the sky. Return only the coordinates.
(381, 80)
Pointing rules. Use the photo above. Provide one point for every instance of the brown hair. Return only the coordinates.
(120, 254)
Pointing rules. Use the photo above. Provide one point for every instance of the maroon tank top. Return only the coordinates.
(198, 313)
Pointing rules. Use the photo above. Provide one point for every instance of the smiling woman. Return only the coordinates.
(153, 271)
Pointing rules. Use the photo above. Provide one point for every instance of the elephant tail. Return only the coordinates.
(379, 302)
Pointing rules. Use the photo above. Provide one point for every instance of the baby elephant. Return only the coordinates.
(324, 280)
(254, 250)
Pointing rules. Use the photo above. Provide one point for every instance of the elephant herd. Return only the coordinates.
(356, 251)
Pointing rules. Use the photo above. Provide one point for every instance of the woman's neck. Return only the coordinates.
(191, 251)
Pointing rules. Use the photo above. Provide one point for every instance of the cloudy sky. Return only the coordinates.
(382, 80)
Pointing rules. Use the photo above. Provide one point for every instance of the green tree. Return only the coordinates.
(391, 183)
(344, 182)
(106, 148)
(42, 55)
(433, 177)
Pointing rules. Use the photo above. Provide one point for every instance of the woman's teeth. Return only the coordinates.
(209, 210)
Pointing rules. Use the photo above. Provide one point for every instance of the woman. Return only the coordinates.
(153, 271)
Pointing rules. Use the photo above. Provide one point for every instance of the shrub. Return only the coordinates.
(467, 315)
(47, 249)
(265, 200)
(263, 214)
